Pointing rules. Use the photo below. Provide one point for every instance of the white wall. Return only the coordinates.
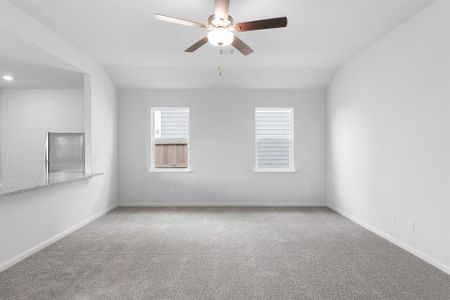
(29, 219)
(26, 115)
(222, 150)
(389, 135)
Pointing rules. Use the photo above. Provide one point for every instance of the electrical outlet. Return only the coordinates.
(394, 218)
(411, 225)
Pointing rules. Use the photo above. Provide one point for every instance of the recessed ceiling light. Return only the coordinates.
(8, 78)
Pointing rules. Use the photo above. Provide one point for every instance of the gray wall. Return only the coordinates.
(32, 220)
(222, 150)
(26, 115)
(389, 136)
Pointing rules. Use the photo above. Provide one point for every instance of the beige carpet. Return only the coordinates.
(223, 253)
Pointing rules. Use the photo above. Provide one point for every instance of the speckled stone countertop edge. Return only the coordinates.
(40, 183)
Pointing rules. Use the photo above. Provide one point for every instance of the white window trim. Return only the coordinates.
(151, 145)
(291, 169)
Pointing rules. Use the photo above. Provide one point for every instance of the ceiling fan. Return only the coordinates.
(221, 28)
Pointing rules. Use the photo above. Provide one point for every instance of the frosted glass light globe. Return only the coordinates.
(220, 37)
(8, 77)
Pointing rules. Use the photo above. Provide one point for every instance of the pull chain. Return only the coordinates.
(220, 68)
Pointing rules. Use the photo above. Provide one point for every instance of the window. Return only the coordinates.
(169, 139)
(274, 139)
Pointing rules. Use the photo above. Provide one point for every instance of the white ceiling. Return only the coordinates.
(32, 67)
(140, 52)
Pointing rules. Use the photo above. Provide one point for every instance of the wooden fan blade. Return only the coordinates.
(179, 21)
(262, 24)
(221, 9)
(197, 45)
(241, 46)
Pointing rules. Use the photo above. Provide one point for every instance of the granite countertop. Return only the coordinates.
(20, 185)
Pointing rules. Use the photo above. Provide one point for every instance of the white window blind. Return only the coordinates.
(171, 123)
(274, 138)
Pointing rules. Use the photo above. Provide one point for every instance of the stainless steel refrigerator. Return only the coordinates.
(65, 152)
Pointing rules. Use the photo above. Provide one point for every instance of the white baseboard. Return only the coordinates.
(53, 239)
(394, 240)
(222, 204)
(378, 232)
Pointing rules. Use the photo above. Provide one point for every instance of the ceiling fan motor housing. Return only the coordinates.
(220, 22)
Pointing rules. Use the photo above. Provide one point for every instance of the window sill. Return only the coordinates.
(275, 170)
(170, 170)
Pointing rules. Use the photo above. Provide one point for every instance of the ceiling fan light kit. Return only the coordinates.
(220, 37)
(222, 29)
